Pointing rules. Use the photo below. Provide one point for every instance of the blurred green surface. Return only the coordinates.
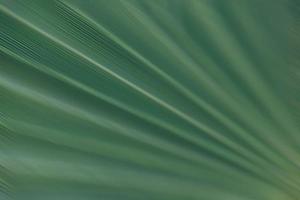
(150, 99)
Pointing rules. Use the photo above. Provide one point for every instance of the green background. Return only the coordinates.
(149, 99)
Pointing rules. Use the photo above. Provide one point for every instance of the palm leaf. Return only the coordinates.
(161, 99)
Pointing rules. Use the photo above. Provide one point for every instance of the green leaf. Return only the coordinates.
(149, 99)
